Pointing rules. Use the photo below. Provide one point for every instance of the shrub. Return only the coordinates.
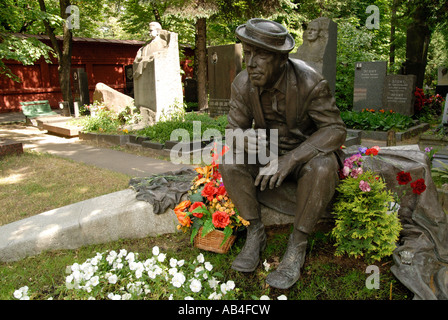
(161, 131)
(103, 121)
(364, 225)
(376, 120)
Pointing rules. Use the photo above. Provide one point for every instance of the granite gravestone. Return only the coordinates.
(445, 112)
(369, 84)
(398, 93)
(80, 88)
(157, 79)
(319, 48)
(224, 63)
(191, 90)
(129, 74)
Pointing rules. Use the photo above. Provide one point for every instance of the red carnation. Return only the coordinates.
(418, 186)
(372, 151)
(403, 177)
(209, 191)
(220, 219)
(196, 205)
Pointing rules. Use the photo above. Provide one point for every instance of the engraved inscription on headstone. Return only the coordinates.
(398, 93)
(369, 83)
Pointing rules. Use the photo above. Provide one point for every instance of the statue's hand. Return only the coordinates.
(256, 141)
(275, 172)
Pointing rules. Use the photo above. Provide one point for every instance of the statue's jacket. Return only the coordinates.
(312, 116)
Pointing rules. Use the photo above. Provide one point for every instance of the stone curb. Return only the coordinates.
(382, 135)
(103, 219)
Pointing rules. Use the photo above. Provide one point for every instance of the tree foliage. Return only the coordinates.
(129, 19)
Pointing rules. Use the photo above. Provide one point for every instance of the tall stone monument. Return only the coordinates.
(224, 63)
(157, 79)
(319, 48)
(369, 84)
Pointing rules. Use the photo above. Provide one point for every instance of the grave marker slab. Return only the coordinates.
(224, 63)
(369, 84)
(398, 93)
(442, 76)
(445, 112)
(157, 79)
(319, 48)
(80, 87)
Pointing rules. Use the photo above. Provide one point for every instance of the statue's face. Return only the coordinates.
(264, 67)
(153, 32)
(312, 32)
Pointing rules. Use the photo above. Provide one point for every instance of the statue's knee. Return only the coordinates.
(321, 167)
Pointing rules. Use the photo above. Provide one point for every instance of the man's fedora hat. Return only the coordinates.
(269, 35)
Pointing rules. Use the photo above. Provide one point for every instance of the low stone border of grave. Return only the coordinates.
(399, 136)
(437, 142)
(112, 139)
(8, 147)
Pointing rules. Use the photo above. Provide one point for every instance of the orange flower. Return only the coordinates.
(183, 219)
(182, 206)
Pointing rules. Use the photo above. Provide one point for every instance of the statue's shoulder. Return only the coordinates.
(242, 81)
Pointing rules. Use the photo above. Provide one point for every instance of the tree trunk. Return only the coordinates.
(65, 61)
(418, 36)
(393, 23)
(201, 56)
(64, 55)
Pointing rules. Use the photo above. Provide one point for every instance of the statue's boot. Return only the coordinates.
(249, 257)
(288, 271)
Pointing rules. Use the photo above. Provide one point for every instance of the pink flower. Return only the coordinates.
(364, 186)
(345, 171)
(355, 172)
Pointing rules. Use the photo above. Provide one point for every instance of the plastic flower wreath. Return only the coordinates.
(208, 204)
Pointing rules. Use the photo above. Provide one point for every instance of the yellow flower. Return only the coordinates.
(244, 222)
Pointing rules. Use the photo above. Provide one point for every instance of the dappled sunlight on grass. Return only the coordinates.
(12, 178)
(34, 183)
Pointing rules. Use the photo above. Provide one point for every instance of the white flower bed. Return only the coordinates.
(121, 276)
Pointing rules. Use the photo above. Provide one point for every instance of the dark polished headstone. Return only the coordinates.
(398, 93)
(369, 84)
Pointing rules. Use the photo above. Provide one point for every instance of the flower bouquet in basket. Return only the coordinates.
(209, 212)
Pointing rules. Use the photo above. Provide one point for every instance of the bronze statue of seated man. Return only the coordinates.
(288, 97)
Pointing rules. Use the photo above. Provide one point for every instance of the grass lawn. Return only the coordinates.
(33, 183)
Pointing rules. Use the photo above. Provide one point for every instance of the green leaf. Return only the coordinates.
(207, 228)
(227, 233)
(194, 232)
(196, 197)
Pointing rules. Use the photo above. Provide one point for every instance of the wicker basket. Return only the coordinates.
(212, 241)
